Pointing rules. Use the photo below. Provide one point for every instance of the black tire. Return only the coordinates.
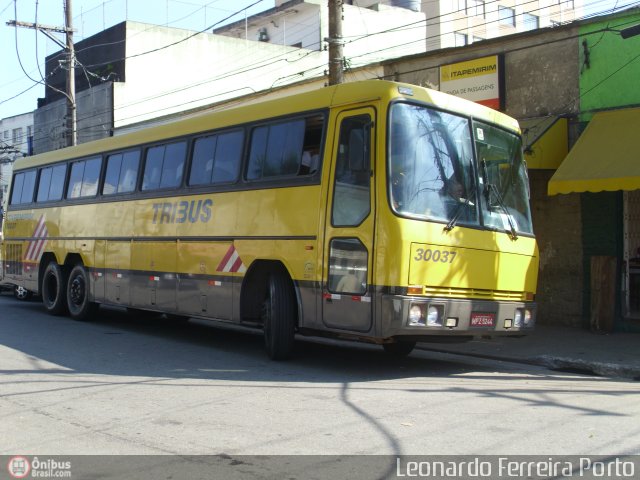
(279, 314)
(21, 293)
(54, 286)
(80, 308)
(400, 348)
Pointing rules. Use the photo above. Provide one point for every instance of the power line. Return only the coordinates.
(229, 74)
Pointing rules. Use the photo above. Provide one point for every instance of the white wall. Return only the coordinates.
(290, 89)
(201, 70)
(7, 125)
(448, 16)
(368, 32)
(299, 24)
(8, 147)
(386, 32)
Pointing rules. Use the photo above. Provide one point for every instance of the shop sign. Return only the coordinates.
(478, 80)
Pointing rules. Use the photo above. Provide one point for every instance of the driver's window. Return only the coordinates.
(351, 197)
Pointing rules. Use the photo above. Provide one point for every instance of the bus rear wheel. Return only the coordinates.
(54, 285)
(279, 317)
(400, 348)
(80, 308)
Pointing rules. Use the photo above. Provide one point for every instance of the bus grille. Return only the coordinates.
(13, 262)
(478, 293)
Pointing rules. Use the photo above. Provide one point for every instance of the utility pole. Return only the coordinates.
(71, 129)
(72, 134)
(336, 55)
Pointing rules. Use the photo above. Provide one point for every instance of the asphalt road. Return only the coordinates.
(123, 386)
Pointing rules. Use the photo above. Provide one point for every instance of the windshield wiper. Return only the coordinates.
(492, 188)
(456, 215)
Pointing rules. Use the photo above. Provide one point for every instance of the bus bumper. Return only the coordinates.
(444, 320)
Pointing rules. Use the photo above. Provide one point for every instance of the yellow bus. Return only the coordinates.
(374, 211)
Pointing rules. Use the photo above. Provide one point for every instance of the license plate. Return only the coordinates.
(482, 319)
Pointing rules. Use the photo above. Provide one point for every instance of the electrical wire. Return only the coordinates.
(35, 30)
(151, 51)
(564, 39)
(295, 74)
(15, 14)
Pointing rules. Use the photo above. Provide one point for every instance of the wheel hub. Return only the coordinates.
(76, 291)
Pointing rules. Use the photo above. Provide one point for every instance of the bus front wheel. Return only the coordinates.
(80, 308)
(279, 317)
(54, 295)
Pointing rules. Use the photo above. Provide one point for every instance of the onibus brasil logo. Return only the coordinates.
(19, 467)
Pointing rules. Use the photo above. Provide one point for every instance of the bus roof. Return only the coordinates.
(338, 95)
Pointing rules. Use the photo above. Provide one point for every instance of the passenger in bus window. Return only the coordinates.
(309, 163)
(454, 189)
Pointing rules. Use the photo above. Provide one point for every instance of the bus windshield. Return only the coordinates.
(431, 165)
(432, 174)
(505, 184)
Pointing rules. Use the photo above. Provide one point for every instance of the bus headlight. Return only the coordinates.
(517, 318)
(416, 316)
(421, 314)
(523, 318)
(434, 316)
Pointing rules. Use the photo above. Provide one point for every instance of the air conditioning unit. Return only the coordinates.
(263, 35)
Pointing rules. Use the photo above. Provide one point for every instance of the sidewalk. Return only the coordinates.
(561, 348)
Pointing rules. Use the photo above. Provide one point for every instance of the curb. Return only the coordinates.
(562, 364)
(603, 369)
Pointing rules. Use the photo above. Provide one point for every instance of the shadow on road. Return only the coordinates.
(116, 343)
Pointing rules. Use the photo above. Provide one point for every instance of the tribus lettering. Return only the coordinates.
(181, 212)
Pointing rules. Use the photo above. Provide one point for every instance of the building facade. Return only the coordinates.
(16, 140)
(372, 30)
(455, 23)
(557, 81)
(603, 169)
(554, 80)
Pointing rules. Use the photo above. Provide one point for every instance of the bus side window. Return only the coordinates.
(24, 184)
(310, 162)
(122, 171)
(290, 148)
(173, 165)
(51, 183)
(114, 164)
(351, 196)
(216, 158)
(58, 177)
(44, 184)
(129, 172)
(16, 192)
(29, 187)
(228, 157)
(164, 166)
(83, 181)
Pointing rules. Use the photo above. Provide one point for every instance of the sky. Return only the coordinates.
(23, 50)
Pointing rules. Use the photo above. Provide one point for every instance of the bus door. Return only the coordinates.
(347, 272)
